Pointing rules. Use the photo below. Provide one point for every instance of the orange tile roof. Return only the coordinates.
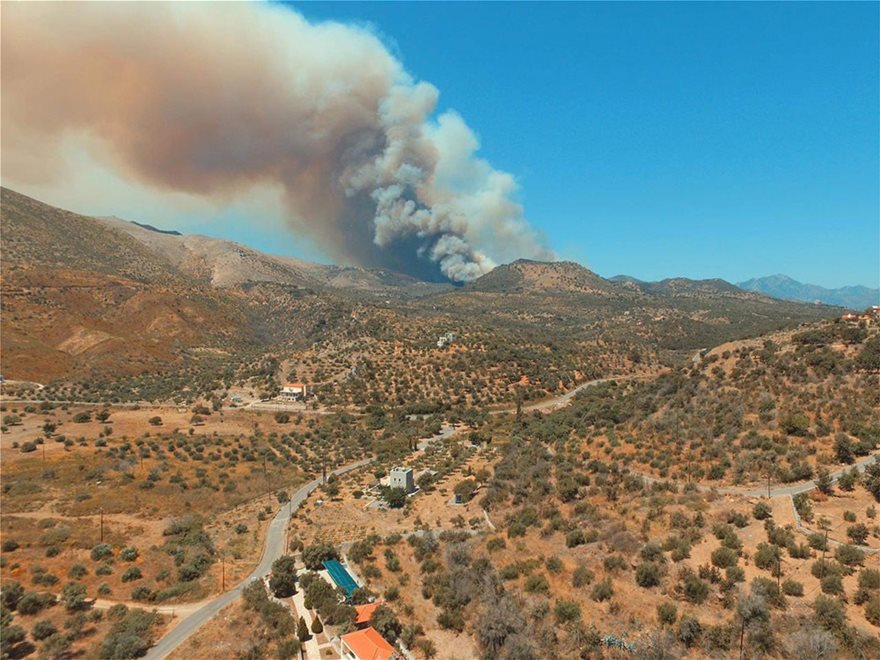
(368, 644)
(365, 612)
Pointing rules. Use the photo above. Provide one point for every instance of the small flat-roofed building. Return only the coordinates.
(402, 477)
(293, 391)
(367, 644)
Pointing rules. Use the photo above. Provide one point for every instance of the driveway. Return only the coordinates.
(272, 550)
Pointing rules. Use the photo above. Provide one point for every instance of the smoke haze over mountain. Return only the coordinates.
(214, 99)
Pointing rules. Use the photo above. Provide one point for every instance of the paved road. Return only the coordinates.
(446, 431)
(788, 490)
(272, 550)
(563, 400)
(805, 486)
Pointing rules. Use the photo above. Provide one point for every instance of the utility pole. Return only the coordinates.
(102, 524)
(323, 468)
(779, 573)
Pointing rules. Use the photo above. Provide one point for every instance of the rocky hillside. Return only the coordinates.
(220, 263)
(114, 306)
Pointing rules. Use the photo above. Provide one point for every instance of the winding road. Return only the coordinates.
(272, 550)
(562, 400)
(274, 544)
(789, 490)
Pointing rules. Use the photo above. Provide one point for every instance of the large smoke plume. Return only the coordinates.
(214, 99)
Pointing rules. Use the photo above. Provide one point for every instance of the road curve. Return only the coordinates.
(563, 400)
(789, 490)
(804, 486)
(273, 548)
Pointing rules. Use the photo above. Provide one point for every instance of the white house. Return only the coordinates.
(446, 340)
(402, 477)
(293, 391)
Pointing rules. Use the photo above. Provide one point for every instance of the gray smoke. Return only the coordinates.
(213, 99)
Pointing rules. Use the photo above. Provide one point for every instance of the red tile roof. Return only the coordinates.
(365, 612)
(368, 644)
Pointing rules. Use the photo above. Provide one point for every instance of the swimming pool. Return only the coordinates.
(341, 576)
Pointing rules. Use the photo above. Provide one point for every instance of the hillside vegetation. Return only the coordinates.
(103, 309)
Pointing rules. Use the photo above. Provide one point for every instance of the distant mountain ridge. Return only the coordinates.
(681, 286)
(104, 299)
(786, 288)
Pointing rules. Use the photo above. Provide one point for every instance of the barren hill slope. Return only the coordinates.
(115, 307)
(82, 298)
(527, 276)
(218, 262)
(36, 235)
(225, 264)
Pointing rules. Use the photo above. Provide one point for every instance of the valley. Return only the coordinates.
(599, 468)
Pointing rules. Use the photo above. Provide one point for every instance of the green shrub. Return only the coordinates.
(142, 593)
(652, 552)
(536, 583)
(768, 557)
(792, 588)
(32, 602)
(581, 577)
(129, 554)
(131, 574)
(724, 557)
(648, 574)
(575, 538)
(830, 613)
(869, 579)
(495, 544)
(849, 555)
(667, 613)
(694, 589)
(689, 631)
(101, 551)
(567, 611)
(602, 591)
(43, 629)
(872, 611)
(858, 534)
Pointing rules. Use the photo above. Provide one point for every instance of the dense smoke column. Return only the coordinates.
(212, 100)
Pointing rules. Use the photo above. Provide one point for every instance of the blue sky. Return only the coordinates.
(696, 139)
(728, 140)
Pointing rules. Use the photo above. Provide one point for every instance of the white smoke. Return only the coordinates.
(212, 99)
